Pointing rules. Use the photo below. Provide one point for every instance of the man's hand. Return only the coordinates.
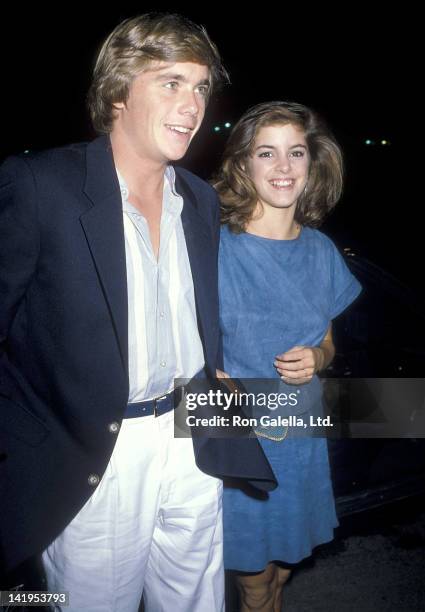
(230, 385)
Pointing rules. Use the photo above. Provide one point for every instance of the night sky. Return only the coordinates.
(346, 63)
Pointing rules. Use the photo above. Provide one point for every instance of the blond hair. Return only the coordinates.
(133, 45)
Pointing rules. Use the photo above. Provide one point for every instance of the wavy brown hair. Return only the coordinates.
(133, 46)
(324, 186)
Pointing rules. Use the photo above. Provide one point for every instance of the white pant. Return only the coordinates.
(153, 525)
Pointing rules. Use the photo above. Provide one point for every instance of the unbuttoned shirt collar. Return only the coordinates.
(172, 206)
(172, 201)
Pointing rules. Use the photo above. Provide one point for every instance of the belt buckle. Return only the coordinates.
(155, 402)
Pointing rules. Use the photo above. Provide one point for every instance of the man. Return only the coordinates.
(108, 292)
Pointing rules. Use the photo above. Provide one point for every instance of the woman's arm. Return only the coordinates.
(300, 363)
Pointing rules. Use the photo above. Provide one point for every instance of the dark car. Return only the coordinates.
(376, 391)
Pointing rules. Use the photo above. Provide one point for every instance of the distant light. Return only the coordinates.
(369, 142)
(26, 151)
(347, 249)
(227, 125)
(384, 142)
(217, 128)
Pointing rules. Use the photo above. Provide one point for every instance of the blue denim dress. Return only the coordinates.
(276, 294)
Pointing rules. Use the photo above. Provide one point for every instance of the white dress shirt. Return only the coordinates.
(163, 336)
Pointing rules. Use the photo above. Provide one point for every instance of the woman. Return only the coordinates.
(281, 284)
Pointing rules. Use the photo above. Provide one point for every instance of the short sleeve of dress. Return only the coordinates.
(345, 287)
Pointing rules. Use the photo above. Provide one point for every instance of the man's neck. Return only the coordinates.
(145, 182)
(144, 176)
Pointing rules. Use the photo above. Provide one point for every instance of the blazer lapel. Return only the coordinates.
(202, 257)
(103, 226)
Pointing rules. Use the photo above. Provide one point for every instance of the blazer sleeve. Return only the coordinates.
(19, 238)
(216, 229)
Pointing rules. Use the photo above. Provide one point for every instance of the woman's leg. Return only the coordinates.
(257, 591)
(281, 576)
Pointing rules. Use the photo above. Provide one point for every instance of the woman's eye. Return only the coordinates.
(265, 154)
(297, 153)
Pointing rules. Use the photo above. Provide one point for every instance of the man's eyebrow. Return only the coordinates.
(266, 146)
(172, 76)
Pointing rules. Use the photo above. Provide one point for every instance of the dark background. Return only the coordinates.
(352, 66)
(355, 64)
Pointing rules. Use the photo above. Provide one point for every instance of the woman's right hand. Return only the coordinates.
(221, 374)
(298, 365)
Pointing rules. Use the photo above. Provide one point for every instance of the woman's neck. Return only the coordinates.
(276, 223)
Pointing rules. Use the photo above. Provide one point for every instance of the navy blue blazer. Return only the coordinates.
(63, 336)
